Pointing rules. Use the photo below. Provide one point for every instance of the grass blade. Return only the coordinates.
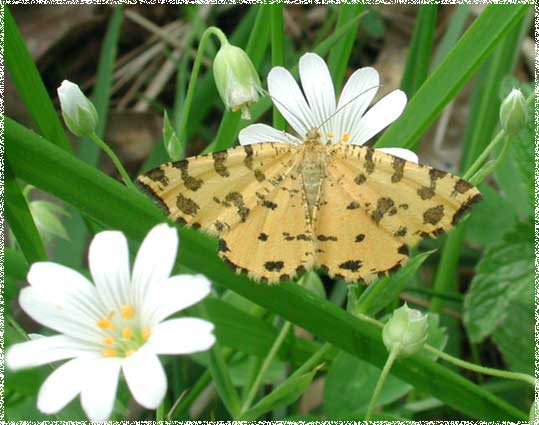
(448, 78)
(111, 203)
(277, 52)
(29, 85)
(419, 54)
(339, 54)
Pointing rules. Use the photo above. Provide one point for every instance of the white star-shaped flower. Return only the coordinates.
(117, 325)
(347, 120)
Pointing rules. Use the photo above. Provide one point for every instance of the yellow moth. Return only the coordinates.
(280, 209)
(322, 201)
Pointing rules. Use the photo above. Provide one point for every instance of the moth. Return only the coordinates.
(281, 209)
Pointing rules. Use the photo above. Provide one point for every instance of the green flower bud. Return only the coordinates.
(407, 331)
(514, 112)
(236, 79)
(79, 113)
(172, 144)
(46, 215)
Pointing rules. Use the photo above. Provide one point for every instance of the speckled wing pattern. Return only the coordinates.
(217, 191)
(388, 204)
(370, 207)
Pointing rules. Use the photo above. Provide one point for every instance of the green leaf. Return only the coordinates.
(119, 207)
(339, 55)
(20, 219)
(451, 75)
(282, 396)
(29, 85)
(350, 383)
(420, 50)
(385, 290)
(513, 337)
(503, 274)
(482, 221)
(173, 145)
(223, 382)
(312, 282)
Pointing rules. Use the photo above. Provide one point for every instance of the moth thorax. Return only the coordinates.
(312, 172)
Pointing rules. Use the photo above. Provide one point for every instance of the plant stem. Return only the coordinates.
(160, 412)
(474, 168)
(481, 369)
(312, 361)
(385, 371)
(99, 142)
(462, 363)
(182, 131)
(265, 365)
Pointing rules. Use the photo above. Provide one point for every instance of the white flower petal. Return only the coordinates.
(177, 293)
(146, 378)
(387, 110)
(318, 88)
(66, 286)
(289, 100)
(49, 309)
(99, 389)
(261, 133)
(108, 259)
(405, 154)
(62, 386)
(154, 260)
(43, 350)
(356, 96)
(182, 336)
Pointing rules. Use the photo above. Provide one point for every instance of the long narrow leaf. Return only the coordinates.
(448, 78)
(29, 85)
(122, 208)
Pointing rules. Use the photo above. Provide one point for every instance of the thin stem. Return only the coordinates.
(194, 76)
(462, 363)
(267, 362)
(481, 369)
(99, 142)
(385, 371)
(491, 166)
(160, 412)
(474, 168)
(277, 53)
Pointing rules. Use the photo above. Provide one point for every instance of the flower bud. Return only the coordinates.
(514, 112)
(172, 144)
(46, 216)
(236, 79)
(79, 113)
(407, 331)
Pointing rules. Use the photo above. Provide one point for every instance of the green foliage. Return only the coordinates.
(503, 276)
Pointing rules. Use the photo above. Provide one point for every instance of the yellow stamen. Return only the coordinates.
(104, 323)
(127, 311)
(108, 340)
(127, 333)
(128, 353)
(330, 135)
(345, 136)
(145, 333)
(109, 352)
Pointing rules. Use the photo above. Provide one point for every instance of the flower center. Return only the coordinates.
(123, 333)
(345, 137)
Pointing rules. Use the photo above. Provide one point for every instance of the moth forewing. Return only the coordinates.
(215, 192)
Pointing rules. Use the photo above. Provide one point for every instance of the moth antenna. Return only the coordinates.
(347, 103)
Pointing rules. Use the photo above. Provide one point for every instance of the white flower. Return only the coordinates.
(118, 324)
(344, 121)
(80, 115)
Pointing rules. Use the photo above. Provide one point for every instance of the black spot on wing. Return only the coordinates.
(273, 266)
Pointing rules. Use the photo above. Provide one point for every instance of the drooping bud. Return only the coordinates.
(236, 79)
(407, 331)
(514, 112)
(80, 115)
(47, 217)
